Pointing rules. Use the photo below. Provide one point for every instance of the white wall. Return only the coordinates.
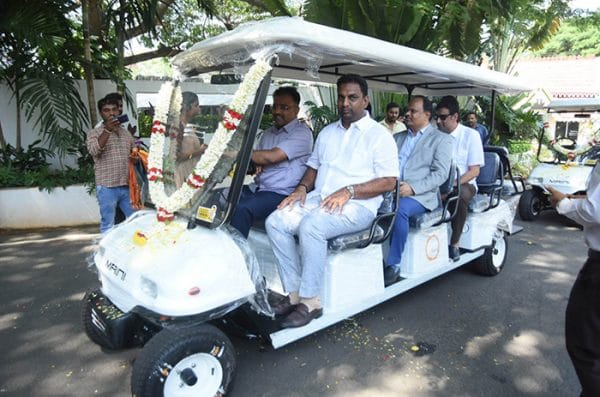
(102, 87)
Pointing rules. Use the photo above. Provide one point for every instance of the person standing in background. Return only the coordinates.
(471, 119)
(110, 146)
(392, 119)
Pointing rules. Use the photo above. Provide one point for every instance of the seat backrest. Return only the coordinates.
(503, 153)
(491, 171)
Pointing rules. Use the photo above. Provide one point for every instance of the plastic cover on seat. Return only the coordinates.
(426, 219)
(440, 214)
(354, 240)
(377, 232)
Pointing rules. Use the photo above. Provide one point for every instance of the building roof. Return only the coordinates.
(563, 77)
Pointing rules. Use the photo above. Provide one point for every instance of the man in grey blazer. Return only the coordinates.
(425, 155)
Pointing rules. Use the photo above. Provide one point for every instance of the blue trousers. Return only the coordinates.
(407, 207)
(254, 206)
(108, 200)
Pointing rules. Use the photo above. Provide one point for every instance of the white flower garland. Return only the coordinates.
(169, 115)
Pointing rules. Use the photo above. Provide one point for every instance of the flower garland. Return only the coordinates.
(167, 205)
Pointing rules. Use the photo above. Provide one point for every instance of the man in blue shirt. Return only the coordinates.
(280, 159)
(471, 119)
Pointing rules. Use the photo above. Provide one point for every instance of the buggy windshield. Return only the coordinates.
(200, 140)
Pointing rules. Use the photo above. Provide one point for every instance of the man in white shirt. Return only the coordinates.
(582, 321)
(354, 161)
(468, 155)
(392, 121)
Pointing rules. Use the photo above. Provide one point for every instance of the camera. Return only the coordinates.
(123, 118)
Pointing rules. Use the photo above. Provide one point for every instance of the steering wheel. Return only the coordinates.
(568, 147)
(565, 142)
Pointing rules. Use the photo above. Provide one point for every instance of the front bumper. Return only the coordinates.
(117, 329)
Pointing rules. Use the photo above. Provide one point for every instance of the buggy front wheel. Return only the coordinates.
(196, 361)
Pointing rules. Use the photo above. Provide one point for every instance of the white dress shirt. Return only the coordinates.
(586, 211)
(342, 157)
(468, 150)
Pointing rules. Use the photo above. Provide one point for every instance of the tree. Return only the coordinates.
(157, 23)
(578, 35)
(528, 25)
(451, 26)
(38, 64)
(464, 30)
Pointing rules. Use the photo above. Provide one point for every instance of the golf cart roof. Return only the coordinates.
(308, 51)
(582, 105)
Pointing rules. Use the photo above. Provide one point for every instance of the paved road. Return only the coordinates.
(500, 336)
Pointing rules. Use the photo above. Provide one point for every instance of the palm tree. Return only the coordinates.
(39, 65)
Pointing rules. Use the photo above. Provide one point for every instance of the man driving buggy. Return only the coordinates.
(354, 161)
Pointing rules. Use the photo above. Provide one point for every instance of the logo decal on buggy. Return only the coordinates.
(206, 214)
(217, 351)
(118, 272)
(432, 247)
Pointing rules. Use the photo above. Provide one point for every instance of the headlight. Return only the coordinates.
(149, 287)
(538, 180)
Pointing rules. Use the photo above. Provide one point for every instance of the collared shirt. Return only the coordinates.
(586, 211)
(483, 133)
(407, 147)
(296, 141)
(395, 128)
(111, 163)
(342, 157)
(468, 150)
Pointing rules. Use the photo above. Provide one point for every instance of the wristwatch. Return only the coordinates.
(350, 189)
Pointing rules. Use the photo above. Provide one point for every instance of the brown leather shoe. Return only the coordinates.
(300, 316)
(283, 307)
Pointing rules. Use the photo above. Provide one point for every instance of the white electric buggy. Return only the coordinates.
(179, 288)
(566, 153)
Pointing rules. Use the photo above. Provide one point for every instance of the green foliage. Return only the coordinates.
(266, 121)
(144, 125)
(515, 121)
(44, 178)
(515, 146)
(189, 21)
(464, 30)
(20, 160)
(27, 168)
(38, 62)
(578, 35)
(320, 116)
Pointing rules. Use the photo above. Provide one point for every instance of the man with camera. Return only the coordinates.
(110, 146)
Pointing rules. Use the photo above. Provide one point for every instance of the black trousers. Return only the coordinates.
(582, 326)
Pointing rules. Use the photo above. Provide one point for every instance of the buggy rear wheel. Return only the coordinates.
(196, 361)
(492, 261)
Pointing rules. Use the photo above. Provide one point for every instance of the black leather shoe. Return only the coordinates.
(300, 316)
(391, 275)
(283, 307)
(454, 253)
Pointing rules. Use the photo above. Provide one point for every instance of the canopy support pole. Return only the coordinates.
(494, 93)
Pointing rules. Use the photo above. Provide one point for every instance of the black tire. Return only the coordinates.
(87, 319)
(492, 261)
(530, 205)
(197, 361)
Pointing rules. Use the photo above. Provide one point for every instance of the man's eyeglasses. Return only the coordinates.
(442, 117)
